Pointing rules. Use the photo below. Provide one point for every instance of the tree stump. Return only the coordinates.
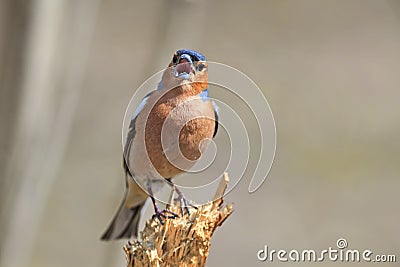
(183, 241)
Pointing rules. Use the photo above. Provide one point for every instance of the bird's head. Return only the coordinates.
(187, 69)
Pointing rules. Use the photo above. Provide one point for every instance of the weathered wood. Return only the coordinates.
(183, 241)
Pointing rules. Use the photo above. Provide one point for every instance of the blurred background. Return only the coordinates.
(329, 69)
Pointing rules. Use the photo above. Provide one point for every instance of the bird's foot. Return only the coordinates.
(185, 204)
(161, 215)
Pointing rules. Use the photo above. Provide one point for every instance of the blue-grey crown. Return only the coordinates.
(191, 53)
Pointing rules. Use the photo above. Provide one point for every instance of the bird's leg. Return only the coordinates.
(160, 214)
(183, 201)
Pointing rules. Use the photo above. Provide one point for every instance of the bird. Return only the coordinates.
(165, 138)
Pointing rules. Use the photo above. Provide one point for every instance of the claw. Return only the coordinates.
(185, 204)
(161, 215)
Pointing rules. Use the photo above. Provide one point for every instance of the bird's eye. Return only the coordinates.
(175, 59)
(200, 67)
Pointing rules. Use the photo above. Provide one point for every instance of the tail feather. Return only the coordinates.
(125, 223)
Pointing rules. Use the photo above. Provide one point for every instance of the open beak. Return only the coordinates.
(184, 67)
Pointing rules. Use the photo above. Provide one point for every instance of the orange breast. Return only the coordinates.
(175, 129)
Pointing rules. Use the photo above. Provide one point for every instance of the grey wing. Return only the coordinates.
(132, 132)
